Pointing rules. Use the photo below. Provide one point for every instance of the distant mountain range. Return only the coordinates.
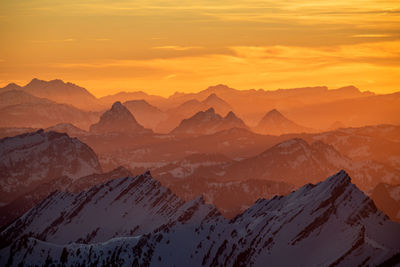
(143, 223)
(59, 92)
(318, 107)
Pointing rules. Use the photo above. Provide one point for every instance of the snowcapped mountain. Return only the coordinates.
(387, 198)
(276, 124)
(331, 223)
(208, 122)
(30, 159)
(147, 115)
(22, 204)
(127, 206)
(118, 119)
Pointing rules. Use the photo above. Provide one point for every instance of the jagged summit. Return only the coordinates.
(118, 119)
(127, 206)
(195, 234)
(208, 122)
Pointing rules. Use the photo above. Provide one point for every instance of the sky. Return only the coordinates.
(165, 46)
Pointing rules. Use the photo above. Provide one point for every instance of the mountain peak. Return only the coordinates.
(117, 119)
(276, 123)
(118, 106)
(274, 112)
(210, 111)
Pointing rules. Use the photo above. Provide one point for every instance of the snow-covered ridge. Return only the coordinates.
(127, 206)
(331, 223)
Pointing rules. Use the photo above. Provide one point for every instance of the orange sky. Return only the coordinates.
(166, 46)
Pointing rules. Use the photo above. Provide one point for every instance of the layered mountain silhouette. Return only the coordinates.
(208, 122)
(21, 109)
(60, 92)
(67, 128)
(189, 108)
(174, 232)
(31, 159)
(118, 119)
(276, 124)
(147, 115)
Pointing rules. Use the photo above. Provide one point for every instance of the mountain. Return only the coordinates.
(122, 97)
(251, 104)
(189, 108)
(147, 115)
(355, 112)
(31, 159)
(387, 198)
(128, 206)
(61, 92)
(17, 97)
(297, 162)
(118, 119)
(275, 123)
(67, 128)
(21, 109)
(208, 122)
(301, 225)
(376, 143)
(22, 204)
(220, 105)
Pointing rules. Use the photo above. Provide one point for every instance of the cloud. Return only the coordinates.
(177, 47)
(371, 35)
(67, 40)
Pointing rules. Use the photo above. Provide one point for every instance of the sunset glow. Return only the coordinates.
(165, 46)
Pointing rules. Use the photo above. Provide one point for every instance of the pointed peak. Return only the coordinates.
(212, 96)
(210, 110)
(231, 114)
(274, 112)
(342, 177)
(117, 104)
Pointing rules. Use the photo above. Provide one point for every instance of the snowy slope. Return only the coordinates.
(22, 204)
(331, 223)
(30, 159)
(127, 206)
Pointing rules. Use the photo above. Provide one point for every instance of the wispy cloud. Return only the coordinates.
(67, 40)
(371, 35)
(177, 47)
